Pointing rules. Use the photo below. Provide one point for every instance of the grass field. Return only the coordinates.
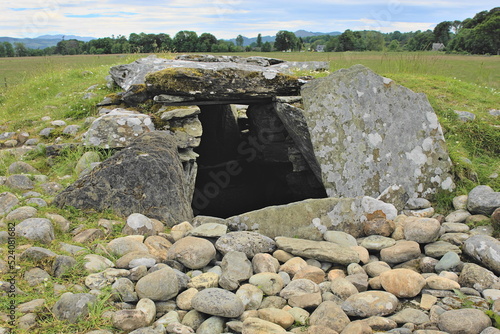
(55, 87)
(14, 71)
(481, 70)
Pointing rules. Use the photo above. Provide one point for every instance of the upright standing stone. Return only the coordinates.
(369, 133)
(146, 177)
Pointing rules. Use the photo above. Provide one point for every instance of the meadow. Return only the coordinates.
(481, 70)
(33, 87)
(55, 86)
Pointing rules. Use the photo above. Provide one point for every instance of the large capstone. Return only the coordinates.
(369, 133)
(222, 81)
(146, 177)
(128, 75)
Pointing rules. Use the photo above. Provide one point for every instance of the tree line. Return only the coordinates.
(477, 35)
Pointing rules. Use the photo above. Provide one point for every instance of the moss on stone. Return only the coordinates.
(226, 81)
(113, 96)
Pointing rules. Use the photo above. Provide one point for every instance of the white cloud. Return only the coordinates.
(225, 18)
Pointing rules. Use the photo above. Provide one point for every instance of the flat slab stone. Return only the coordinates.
(311, 218)
(215, 81)
(220, 78)
(319, 250)
(369, 133)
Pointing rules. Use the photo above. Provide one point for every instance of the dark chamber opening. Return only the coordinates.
(243, 163)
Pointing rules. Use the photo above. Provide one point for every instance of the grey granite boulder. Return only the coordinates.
(7, 202)
(20, 181)
(145, 178)
(36, 229)
(138, 224)
(218, 302)
(72, 307)
(160, 285)
(475, 276)
(484, 249)
(86, 161)
(235, 268)
(483, 200)
(21, 167)
(369, 133)
(330, 315)
(117, 129)
(464, 321)
(250, 243)
(370, 303)
(21, 213)
(192, 252)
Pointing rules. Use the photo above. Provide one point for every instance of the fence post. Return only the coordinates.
(5, 80)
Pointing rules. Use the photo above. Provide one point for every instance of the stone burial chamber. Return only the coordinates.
(249, 135)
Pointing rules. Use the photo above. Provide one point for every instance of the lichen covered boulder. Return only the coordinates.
(369, 133)
(146, 177)
(117, 129)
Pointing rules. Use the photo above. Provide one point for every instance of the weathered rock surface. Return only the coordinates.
(295, 123)
(320, 250)
(403, 283)
(7, 202)
(146, 178)
(193, 252)
(36, 229)
(483, 200)
(250, 243)
(218, 302)
(370, 303)
(204, 80)
(421, 230)
(160, 285)
(356, 116)
(309, 219)
(73, 307)
(236, 268)
(330, 315)
(117, 129)
(222, 81)
(484, 249)
(465, 321)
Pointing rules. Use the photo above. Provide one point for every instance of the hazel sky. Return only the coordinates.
(226, 18)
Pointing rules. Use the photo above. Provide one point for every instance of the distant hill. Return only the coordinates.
(303, 33)
(42, 42)
(298, 33)
(66, 37)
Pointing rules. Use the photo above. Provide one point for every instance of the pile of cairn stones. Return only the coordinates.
(411, 274)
